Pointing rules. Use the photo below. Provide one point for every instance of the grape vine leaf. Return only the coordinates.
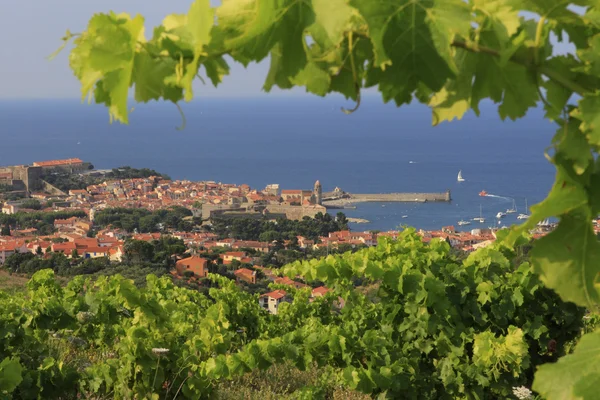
(558, 95)
(104, 56)
(327, 53)
(591, 56)
(568, 260)
(588, 107)
(566, 195)
(10, 374)
(186, 36)
(412, 43)
(574, 376)
(250, 29)
(150, 75)
(572, 146)
(200, 19)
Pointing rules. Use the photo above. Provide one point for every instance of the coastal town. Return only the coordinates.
(79, 228)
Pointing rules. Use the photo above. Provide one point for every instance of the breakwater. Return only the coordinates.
(349, 198)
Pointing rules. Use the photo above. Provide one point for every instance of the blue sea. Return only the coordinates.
(294, 141)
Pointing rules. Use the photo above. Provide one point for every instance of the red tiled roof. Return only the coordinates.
(320, 291)
(53, 163)
(276, 294)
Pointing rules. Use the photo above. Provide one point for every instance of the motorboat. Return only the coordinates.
(483, 193)
(463, 222)
(524, 216)
(500, 215)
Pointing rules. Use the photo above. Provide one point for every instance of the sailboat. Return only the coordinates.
(513, 209)
(460, 178)
(480, 218)
(524, 216)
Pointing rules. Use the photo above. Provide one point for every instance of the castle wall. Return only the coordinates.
(21, 175)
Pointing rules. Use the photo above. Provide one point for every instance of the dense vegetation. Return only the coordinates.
(140, 259)
(437, 328)
(66, 181)
(42, 221)
(283, 229)
(142, 220)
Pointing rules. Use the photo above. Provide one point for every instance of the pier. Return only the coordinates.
(337, 198)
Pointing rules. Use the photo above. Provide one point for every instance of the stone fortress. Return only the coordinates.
(28, 178)
(291, 204)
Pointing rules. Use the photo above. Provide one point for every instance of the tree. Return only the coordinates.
(5, 230)
(449, 54)
(342, 221)
(74, 254)
(138, 252)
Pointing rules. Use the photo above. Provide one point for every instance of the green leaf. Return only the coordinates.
(422, 31)
(104, 54)
(566, 195)
(588, 107)
(568, 260)
(591, 56)
(556, 94)
(571, 145)
(10, 374)
(250, 29)
(574, 376)
(200, 20)
(412, 43)
(150, 74)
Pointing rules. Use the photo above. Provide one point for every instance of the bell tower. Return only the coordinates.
(318, 193)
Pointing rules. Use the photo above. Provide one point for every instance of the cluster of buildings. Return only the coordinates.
(207, 198)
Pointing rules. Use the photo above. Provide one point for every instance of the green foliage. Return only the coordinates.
(440, 328)
(5, 230)
(32, 204)
(282, 229)
(142, 220)
(65, 181)
(42, 221)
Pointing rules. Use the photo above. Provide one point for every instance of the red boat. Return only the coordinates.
(483, 193)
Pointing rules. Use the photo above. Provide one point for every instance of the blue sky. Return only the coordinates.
(31, 30)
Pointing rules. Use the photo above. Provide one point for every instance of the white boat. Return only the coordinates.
(500, 215)
(513, 209)
(524, 216)
(460, 178)
(405, 216)
(462, 222)
(480, 218)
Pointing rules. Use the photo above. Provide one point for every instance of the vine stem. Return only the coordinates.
(354, 76)
(538, 38)
(155, 373)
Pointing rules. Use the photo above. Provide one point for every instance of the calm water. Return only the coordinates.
(295, 141)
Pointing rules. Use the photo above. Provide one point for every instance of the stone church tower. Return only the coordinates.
(318, 193)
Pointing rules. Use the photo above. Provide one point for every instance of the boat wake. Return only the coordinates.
(499, 197)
